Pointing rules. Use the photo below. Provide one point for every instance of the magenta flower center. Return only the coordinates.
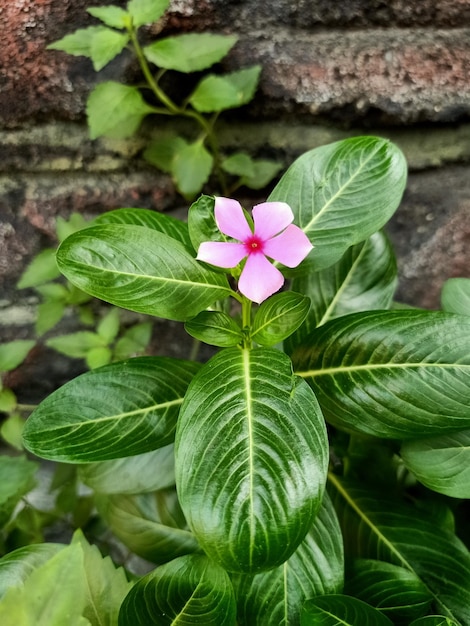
(254, 244)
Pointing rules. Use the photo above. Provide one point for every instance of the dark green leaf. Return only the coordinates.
(140, 269)
(190, 52)
(201, 222)
(278, 317)
(41, 269)
(216, 93)
(455, 296)
(119, 410)
(342, 193)
(394, 374)
(13, 353)
(191, 168)
(188, 590)
(215, 328)
(336, 610)
(146, 11)
(16, 480)
(434, 620)
(250, 446)
(16, 566)
(112, 16)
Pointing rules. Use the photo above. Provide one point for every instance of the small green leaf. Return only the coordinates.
(455, 296)
(48, 315)
(278, 317)
(146, 11)
(111, 15)
(13, 353)
(12, 431)
(64, 227)
(188, 590)
(115, 110)
(108, 326)
(191, 168)
(7, 400)
(41, 269)
(264, 171)
(99, 43)
(216, 93)
(215, 328)
(97, 357)
(190, 52)
(76, 43)
(75, 345)
(161, 152)
(335, 609)
(239, 164)
(134, 341)
(201, 222)
(16, 480)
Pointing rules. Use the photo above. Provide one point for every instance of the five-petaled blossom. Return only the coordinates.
(273, 236)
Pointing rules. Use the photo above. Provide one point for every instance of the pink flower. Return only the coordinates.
(273, 236)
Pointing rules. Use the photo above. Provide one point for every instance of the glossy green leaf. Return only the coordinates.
(13, 353)
(119, 410)
(217, 93)
(387, 529)
(215, 328)
(396, 591)
(111, 15)
(99, 43)
(16, 566)
(133, 474)
(140, 269)
(364, 279)
(201, 222)
(315, 568)
(434, 620)
(41, 269)
(151, 219)
(278, 317)
(115, 110)
(191, 52)
(441, 463)
(17, 478)
(455, 296)
(146, 11)
(340, 610)
(394, 374)
(342, 193)
(188, 590)
(191, 168)
(151, 524)
(161, 152)
(250, 446)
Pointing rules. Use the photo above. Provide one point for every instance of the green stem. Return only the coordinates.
(246, 322)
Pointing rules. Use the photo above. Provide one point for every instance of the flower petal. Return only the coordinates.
(289, 248)
(230, 219)
(220, 253)
(259, 278)
(270, 218)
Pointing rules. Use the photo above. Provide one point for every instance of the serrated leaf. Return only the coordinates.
(315, 568)
(161, 152)
(13, 353)
(217, 93)
(76, 43)
(191, 168)
(239, 164)
(115, 110)
(441, 463)
(191, 52)
(75, 345)
(215, 328)
(17, 478)
(364, 279)
(393, 374)
(146, 11)
(133, 474)
(188, 590)
(278, 317)
(151, 524)
(377, 527)
(111, 15)
(119, 410)
(342, 193)
(264, 171)
(99, 43)
(140, 269)
(99, 356)
(250, 446)
(455, 296)
(41, 269)
(335, 609)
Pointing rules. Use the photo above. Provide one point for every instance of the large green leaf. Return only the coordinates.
(16, 566)
(394, 374)
(434, 620)
(140, 269)
(188, 590)
(342, 193)
(115, 411)
(251, 456)
(377, 527)
(151, 524)
(455, 296)
(338, 610)
(315, 568)
(364, 279)
(441, 463)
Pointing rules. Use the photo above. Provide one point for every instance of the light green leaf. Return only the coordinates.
(215, 328)
(455, 296)
(387, 529)
(239, 164)
(16, 480)
(190, 52)
(134, 341)
(191, 168)
(108, 326)
(49, 313)
(342, 193)
(75, 345)
(393, 374)
(250, 445)
(119, 410)
(151, 219)
(315, 568)
(216, 93)
(264, 171)
(161, 152)
(133, 474)
(13, 353)
(99, 356)
(146, 11)
(140, 269)
(364, 279)
(64, 227)
(335, 610)
(99, 43)
(115, 110)
(111, 15)
(151, 524)
(441, 463)
(189, 590)
(11, 430)
(41, 269)
(7, 400)
(278, 317)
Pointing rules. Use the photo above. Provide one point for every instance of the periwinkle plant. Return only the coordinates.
(217, 471)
